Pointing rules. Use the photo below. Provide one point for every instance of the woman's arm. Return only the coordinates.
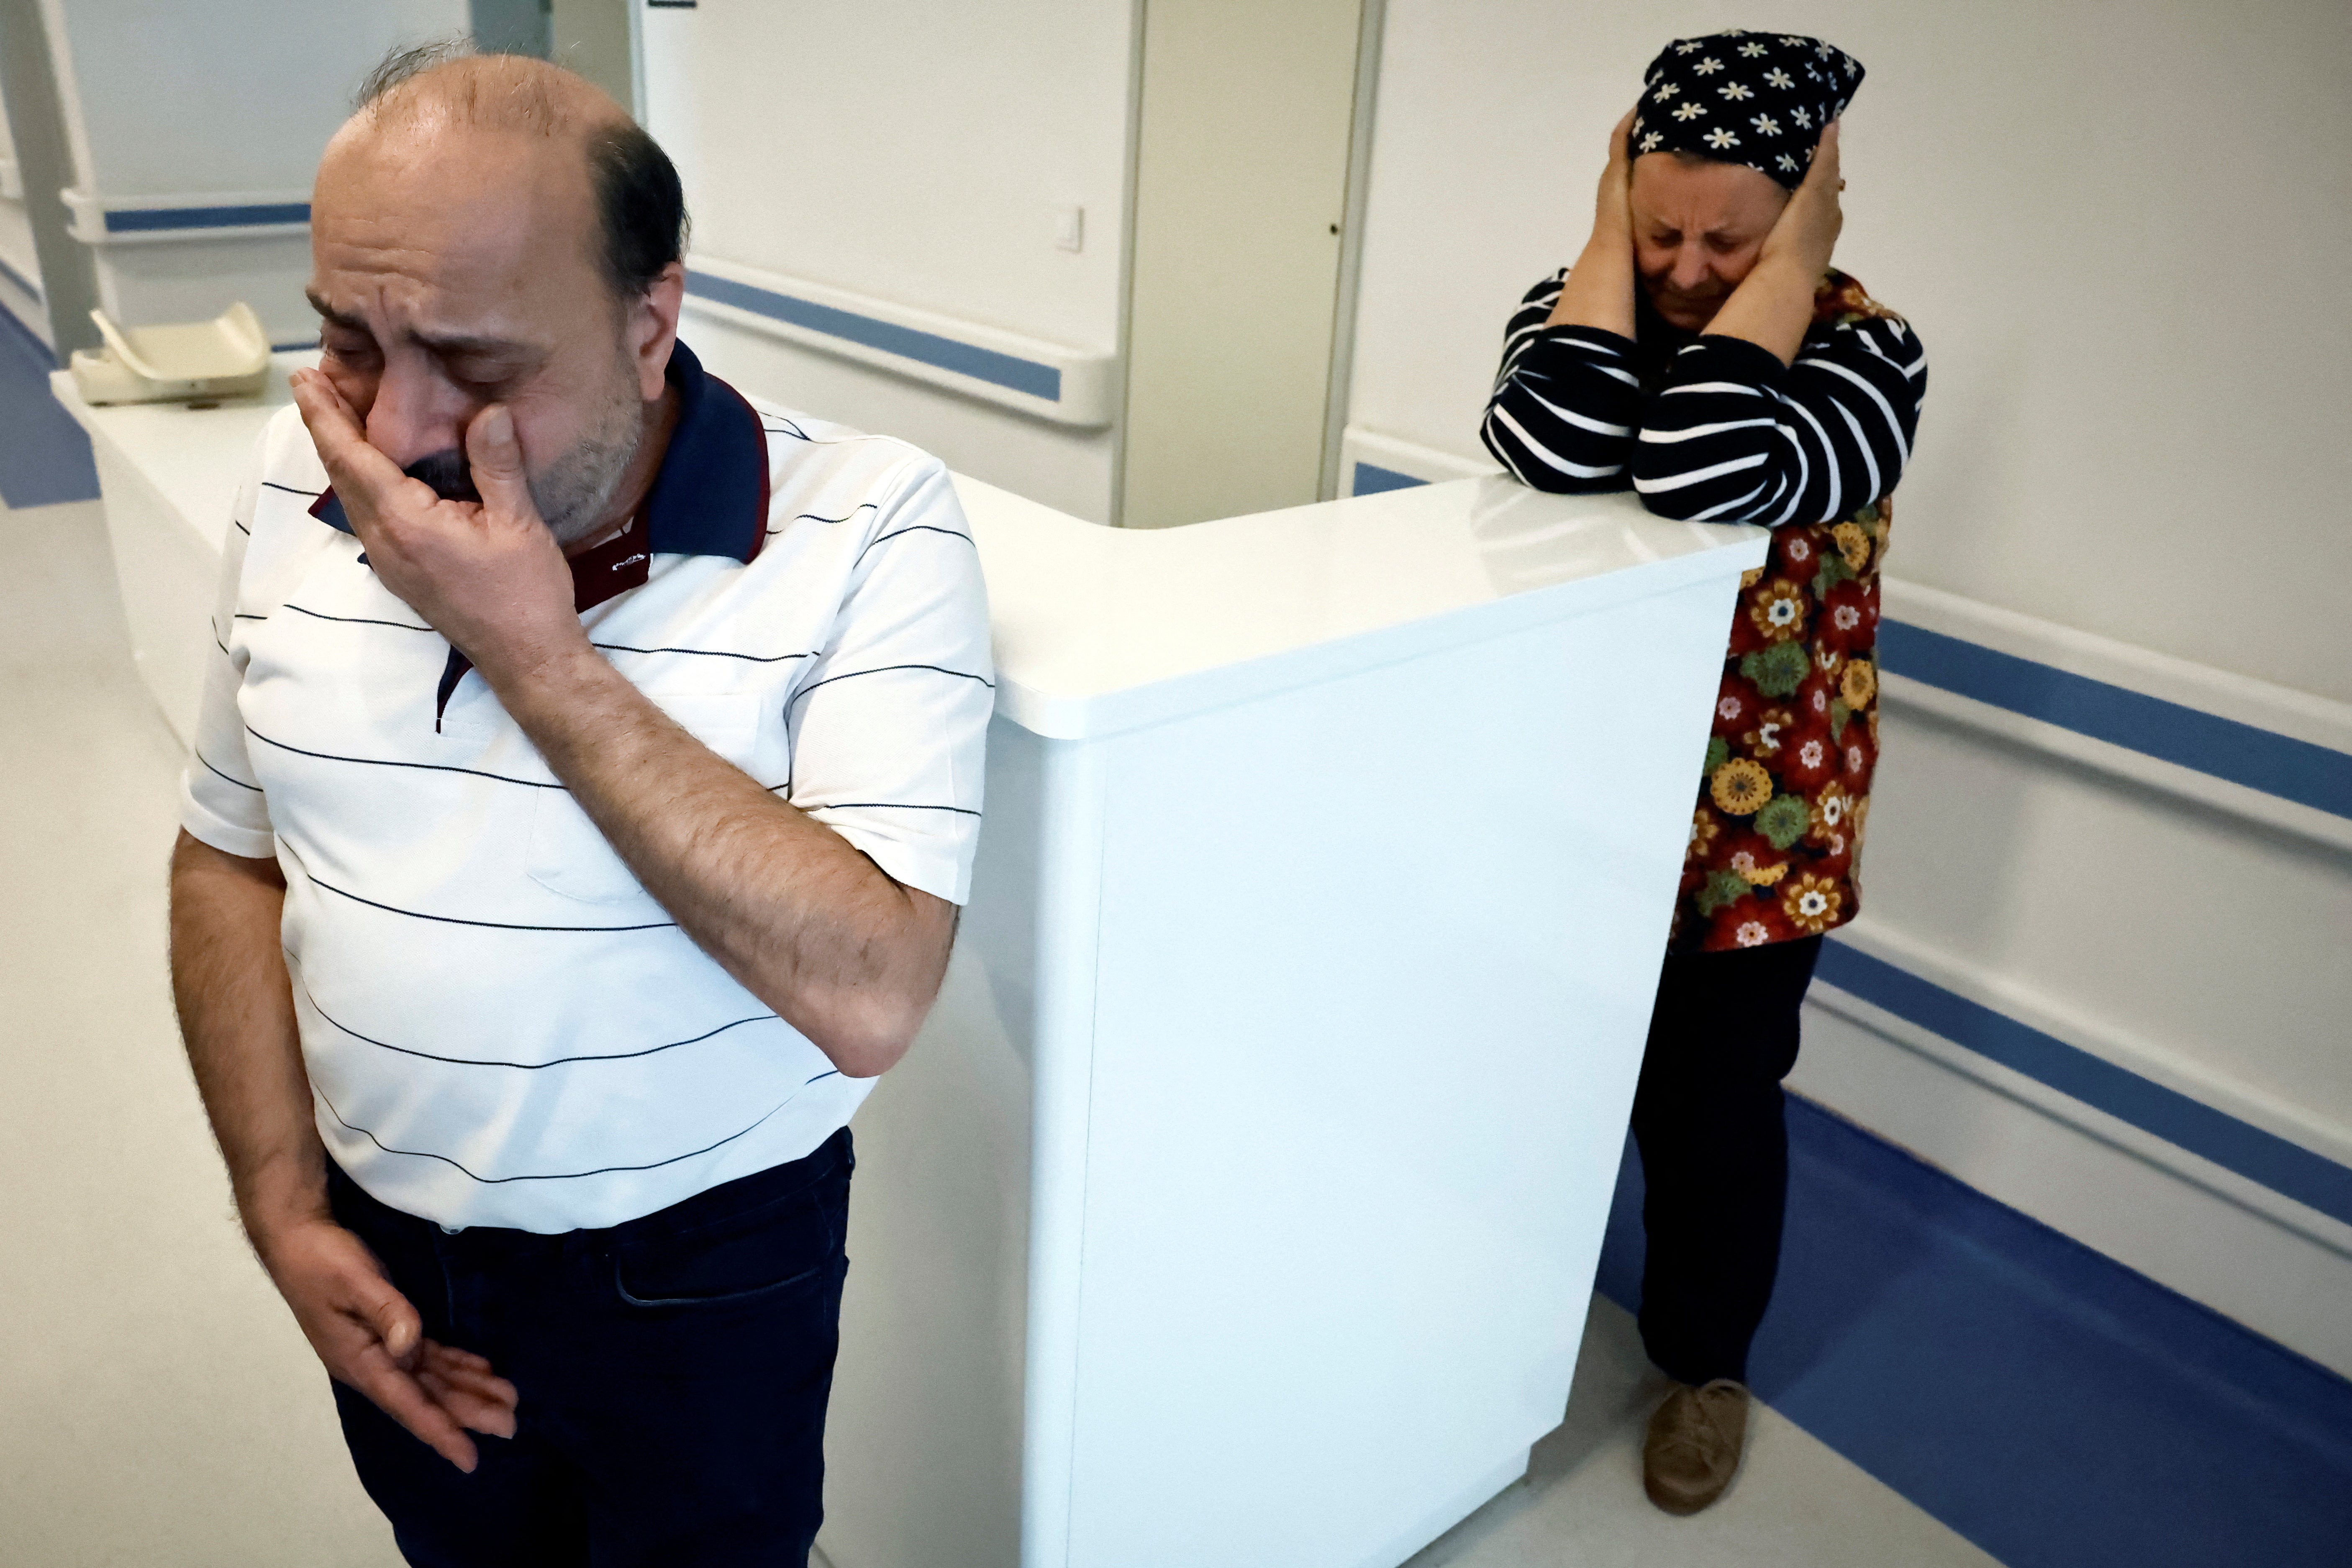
(1735, 437)
(1756, 423)
(1599, 289)
(1773, 306)
(1562, 416)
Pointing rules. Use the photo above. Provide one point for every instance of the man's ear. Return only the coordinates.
(651, 328)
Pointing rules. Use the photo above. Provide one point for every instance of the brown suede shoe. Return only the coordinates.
(1694, 1445)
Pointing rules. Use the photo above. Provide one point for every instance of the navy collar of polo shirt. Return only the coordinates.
(709, 497)
(710, 494)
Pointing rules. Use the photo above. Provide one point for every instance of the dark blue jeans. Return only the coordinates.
(672, 1372)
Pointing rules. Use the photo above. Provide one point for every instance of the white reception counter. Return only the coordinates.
(1240, 1201)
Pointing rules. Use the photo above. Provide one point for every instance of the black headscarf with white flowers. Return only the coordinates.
(1758, 98)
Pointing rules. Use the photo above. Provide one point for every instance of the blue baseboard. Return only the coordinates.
(2050, 1405)
(1371, 479)
(44, 456)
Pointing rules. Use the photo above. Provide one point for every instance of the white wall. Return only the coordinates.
(920, 154)
(229, 96)
(2118, 235)
(2189, 932)
(166, 104)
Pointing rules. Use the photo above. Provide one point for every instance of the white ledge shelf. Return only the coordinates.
(1049, 380)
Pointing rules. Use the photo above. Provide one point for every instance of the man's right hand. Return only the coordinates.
(237, 1012)
(372, 1339)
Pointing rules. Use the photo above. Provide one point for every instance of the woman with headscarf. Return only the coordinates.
(1703, 350)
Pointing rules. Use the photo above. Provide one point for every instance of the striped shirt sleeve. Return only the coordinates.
(1734, 437)
(221, 801)
(1565, 402)
(890, 724)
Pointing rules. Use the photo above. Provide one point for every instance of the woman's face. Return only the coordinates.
(1698, 226)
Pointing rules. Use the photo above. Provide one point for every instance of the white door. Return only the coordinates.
(1241, 192)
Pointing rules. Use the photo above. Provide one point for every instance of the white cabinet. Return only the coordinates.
(1240, 1201)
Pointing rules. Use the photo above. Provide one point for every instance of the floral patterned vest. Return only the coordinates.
(1784, 794)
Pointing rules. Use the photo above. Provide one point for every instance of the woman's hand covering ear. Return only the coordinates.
(1600, 288)
(1613, 210)
(1806, 230)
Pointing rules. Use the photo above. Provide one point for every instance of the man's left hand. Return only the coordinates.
(489, 577)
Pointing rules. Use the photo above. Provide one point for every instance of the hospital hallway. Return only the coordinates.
(164, 1407)
(1941, 1380)
(1944, 1378)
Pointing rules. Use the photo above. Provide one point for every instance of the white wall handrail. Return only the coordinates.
(103, 219)
(2259, 752)
(1051, 380)
(2227, 1096)
(1370, 462)
(2283, 710)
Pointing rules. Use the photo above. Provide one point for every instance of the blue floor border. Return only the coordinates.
(2054, 1407)
(45, 458)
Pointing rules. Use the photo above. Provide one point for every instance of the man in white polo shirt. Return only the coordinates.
(580, 805)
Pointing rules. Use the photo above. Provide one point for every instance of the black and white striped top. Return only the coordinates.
(1711, 429)
(500, 1026)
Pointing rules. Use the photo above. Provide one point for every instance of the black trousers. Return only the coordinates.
(673, 1373)
(1715, 1151)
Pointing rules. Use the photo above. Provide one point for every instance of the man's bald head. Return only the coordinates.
(421, 94)
(500, 92)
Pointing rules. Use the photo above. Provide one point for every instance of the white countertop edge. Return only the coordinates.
(1074, 716)
(1094, 715)
(104, 446)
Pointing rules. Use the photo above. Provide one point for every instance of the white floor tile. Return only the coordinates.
(1795, 1503)
(162, 1407)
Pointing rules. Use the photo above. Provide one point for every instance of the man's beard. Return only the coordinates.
(574, 491)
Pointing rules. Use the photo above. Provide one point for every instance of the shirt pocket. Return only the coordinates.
(568, 854)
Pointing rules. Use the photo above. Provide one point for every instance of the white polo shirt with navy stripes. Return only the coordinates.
(500, 1026)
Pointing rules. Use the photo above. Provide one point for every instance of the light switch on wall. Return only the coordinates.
(1070, 228)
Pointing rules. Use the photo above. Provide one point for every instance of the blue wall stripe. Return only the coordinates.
(21, 281)
(1371, 479)
(2243, 754)
(2286, 1168)
(949, 354)
(150, 220)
